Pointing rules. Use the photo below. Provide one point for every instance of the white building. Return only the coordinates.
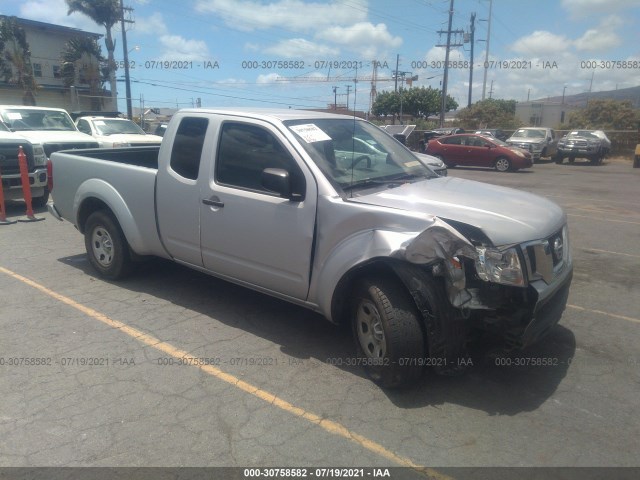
(47, 42)
(543, 114)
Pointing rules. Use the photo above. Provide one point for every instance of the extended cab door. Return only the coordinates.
(178, 187)
(247, 232)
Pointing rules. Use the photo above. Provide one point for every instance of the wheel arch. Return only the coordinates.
(96, 194)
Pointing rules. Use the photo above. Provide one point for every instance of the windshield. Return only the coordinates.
(31, 119)
(356, 154)
(529, 133)
(583, 134)
(115, 126)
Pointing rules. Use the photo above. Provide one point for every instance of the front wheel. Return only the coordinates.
(502, 164)
(107, 246)
(388, 332)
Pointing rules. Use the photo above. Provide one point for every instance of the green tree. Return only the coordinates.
(418, 102)
(489, 113)
(107, 14)
(605, 115)
(82, 62)
(15, 59)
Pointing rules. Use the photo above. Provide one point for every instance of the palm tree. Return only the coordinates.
(106, 13)
(89, 52)
(15, 59)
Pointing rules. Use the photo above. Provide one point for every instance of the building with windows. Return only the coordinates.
(543, 114)
(47, 42)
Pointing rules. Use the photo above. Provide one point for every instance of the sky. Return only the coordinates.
(292, 53)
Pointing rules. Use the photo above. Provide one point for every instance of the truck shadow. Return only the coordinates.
(489, 384)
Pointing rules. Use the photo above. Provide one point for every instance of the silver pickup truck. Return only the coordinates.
(268, 199)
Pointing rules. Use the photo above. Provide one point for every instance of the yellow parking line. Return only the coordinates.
(613, 315)
(329, 426)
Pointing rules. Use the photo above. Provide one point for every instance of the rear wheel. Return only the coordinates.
(388, 332)
(502, 164)
(107, 246)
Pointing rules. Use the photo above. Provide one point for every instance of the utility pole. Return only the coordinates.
(335, 98)
(486, 55)
(443, 107)
(491, 90)
(348, 90)
(472, 34)
(126, 57)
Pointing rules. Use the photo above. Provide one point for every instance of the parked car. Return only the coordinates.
(540, 141)
(50, 127)
(413, 262)
(473, 150)
(116, 132)
(160, 129)
(10, 169)
(583, 144)
(495, 133)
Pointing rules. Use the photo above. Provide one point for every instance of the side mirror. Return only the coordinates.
(277, 180)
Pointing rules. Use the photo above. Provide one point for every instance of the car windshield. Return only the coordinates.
(584, 134)
(356, 154)
(529, 133)
(107, 126)
(33, 119)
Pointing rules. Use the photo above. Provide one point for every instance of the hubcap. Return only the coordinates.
(102, 246)
(502, 165)
(370, 331)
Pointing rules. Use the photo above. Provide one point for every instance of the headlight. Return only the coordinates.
(498, 266)
(39, 158)
(518, 152)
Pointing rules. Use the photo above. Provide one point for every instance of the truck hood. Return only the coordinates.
(506, 216)
(55, 136)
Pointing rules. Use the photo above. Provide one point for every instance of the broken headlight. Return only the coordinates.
(498, 266)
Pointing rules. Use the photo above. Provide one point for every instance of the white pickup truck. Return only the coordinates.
(270, 199)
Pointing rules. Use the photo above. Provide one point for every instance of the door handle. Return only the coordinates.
(213, 201)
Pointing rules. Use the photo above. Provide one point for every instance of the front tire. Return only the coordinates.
(388, 332)
(106, 246)
(502, 164)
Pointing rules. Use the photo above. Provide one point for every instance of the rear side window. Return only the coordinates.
(187, 147)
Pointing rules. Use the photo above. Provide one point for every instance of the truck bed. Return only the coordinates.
(124, 179)
(140, 156)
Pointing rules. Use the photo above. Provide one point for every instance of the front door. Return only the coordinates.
(247, 232)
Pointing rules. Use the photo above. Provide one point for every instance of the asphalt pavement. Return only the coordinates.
(174, 368)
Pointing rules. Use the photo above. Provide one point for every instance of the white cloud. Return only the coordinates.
(300, 48)
(55, 11)
(153, 25)
(363, 37)
(541, 43)
(602, 37)
(179, 48)
(293, 15)
(268, 78)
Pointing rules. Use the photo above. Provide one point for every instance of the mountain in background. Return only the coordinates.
(580, 100)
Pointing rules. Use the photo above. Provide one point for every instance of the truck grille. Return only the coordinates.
(524, 146)
(49, 148)
(9, 157)
(546, 258)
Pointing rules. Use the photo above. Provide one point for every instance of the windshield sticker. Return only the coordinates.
(310, 133)
(411, 164)
(14, 116)
(573, 133)
(99, 122)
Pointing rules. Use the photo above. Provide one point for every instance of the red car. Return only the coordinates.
(478, 151)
